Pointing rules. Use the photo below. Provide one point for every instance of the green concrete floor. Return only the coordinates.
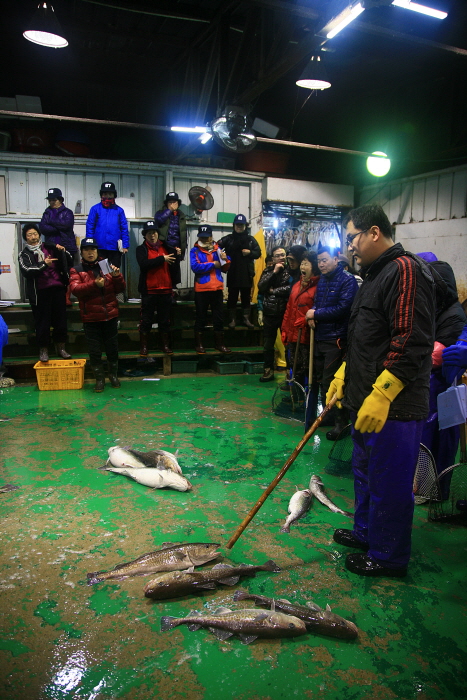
(64, 640)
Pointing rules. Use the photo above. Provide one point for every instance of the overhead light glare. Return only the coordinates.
(190, 129)
(204, 138)
(314, 76)
(44, 28)
(378, 164)
(409, 5)
(343, 19)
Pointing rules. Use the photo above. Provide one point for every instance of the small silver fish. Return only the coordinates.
(246, 624)
(316, 489)
(299, 505)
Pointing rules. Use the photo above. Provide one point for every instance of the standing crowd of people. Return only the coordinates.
(387, 340)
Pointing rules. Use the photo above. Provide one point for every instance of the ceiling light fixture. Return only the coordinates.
(409, 5)
(314, 76)
(378, 164)
(342, 20)
(44, 28)
(204, 138)
(190, 129)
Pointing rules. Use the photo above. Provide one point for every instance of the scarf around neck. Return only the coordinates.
(107, 202)
(37, 250)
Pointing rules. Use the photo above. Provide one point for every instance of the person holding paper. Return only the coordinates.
(45, 268)
(98, 305)
(107, 224)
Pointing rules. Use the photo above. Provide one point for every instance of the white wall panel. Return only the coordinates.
(276, 189)
(17, 191)
(37, 191)
(9, 281)
(459, 195)
(445, 184)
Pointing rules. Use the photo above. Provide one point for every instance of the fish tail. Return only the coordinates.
(168, 623)
(346, 512)
(95, 577)
(271, 565)
(285, 528)
(242, 595)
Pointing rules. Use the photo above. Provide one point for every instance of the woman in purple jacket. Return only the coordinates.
(57, 225)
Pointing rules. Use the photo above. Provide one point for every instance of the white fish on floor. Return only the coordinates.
(159, 459)
(154, 478)
(316, 488)
(299, 505)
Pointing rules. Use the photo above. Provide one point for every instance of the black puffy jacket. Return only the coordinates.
(392, 326)
(275, 302)
(242, 267)
(450, 319)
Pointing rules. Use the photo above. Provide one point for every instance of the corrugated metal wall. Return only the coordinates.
(429, 212)
(28, 177)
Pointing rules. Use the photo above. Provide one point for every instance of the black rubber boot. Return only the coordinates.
(165, 342)
(199, 343)
(219, 343)
(246, 318)
(98, 371)
(233, 318)
(62, 352)
(113, 378)
(43, 354)
(143, 344)
(341, 421)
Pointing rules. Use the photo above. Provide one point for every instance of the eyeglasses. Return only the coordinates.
(349, 238)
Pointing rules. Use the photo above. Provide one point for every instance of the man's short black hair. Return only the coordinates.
(328, 250)
(367, 216)
(278, 247)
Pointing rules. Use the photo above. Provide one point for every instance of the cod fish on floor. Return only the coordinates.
(180, 583)
(127, 457)
(246, 624)
(317, 620)
(154, 478)
(299, 505)
(316, 488)
(170, 557)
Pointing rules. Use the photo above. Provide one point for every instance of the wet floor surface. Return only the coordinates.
(64, 640)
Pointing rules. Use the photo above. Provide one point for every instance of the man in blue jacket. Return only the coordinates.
(107, 224)
(331, 312)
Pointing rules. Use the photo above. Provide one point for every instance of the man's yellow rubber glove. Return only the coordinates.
(337, 386)
(373, 413)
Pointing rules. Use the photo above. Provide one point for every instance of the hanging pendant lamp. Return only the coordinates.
(314, 77)
(44, 28)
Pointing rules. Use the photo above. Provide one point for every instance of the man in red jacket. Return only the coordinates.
(96, 292)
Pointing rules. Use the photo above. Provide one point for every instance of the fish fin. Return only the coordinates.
(190, 570)
(221, 566)
(166, 545)
(273, 605)
(247, 639)
(104, 466)
(241, 595)
(261, 616)
(271, 565)
(346, 512)
(230, 580)
(168, 623)
(296, 488)
(313, 606)
(284, 600)
(209, 585)
(180, 555)
(193, 627)
(284, 529)
(221, 610)
(328, 608)
(176, 453)
(220, 634)
(93, 577)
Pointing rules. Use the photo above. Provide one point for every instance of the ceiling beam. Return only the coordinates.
(168, 10)
(409, 38)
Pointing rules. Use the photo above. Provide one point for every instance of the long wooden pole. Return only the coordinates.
(281, 474)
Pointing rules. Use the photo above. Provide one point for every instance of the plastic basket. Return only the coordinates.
(184, 365)
(60, 374)
(229, 367)
(254, 367)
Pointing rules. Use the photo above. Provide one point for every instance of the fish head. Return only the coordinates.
(203, 552)
(163, 586)
(337, 626)
(285, 625)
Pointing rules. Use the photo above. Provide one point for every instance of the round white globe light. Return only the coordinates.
(378, 166)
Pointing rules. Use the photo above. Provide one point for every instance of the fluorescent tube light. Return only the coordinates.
(342, 20)
(204, 138)
(190, 129)
(409, 5)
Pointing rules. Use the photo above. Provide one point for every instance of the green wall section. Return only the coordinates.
(64, 640)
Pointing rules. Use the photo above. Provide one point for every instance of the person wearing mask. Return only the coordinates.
(208, 261)
(384, 383)
(107, 225)
(243, 250)
(155, 286)
(98, 305)
(275, 289)
(300, 301)
(330, 313)
(294, 258)
(57, 226)
(45, 268)
(171, 225)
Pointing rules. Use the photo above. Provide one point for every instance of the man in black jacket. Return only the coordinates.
(274, 285)
(385, 385)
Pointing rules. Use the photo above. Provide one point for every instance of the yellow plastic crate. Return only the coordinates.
(60, 374)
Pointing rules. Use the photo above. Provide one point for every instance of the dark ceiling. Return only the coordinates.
(398, 78)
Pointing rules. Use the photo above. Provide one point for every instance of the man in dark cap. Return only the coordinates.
(57, 223)
(107, 224)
